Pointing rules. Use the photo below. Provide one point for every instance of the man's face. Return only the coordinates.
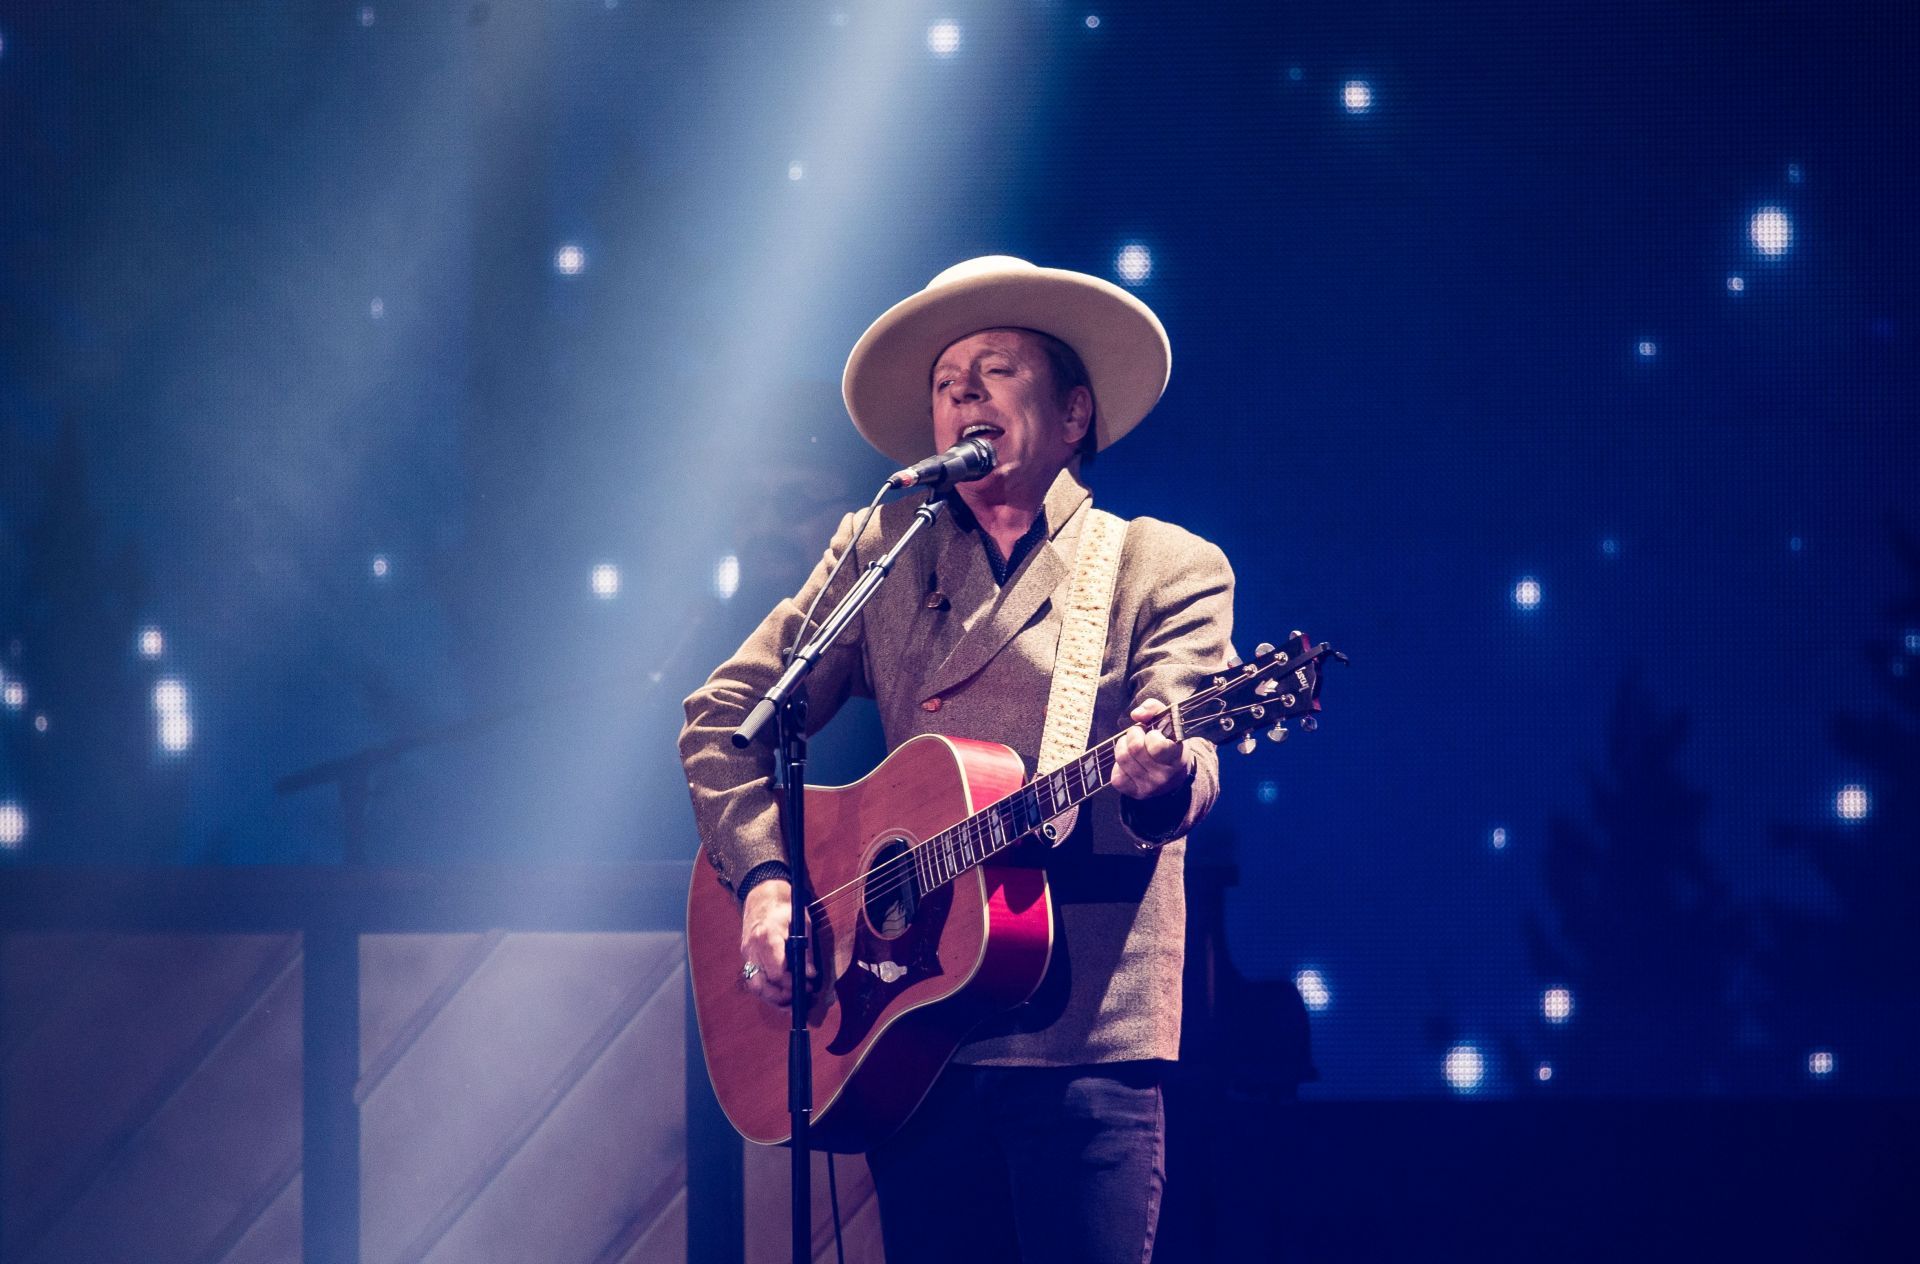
(998, 383)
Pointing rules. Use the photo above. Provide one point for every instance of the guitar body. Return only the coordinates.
(903, 975)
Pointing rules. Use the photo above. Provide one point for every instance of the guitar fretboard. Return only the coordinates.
(990, 831)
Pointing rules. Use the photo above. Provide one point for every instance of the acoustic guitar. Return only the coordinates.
(930, 912)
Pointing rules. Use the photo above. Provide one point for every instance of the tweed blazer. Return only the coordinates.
(979, 664)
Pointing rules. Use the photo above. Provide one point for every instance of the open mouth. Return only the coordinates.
(982, 430)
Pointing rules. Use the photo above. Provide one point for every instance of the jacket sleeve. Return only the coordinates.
(734, 804)
(1183, 635)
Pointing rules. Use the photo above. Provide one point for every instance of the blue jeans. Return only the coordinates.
(1047, 1164)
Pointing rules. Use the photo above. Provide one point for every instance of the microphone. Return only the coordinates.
(962, 463)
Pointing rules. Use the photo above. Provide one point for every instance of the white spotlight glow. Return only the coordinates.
(1093, 21)
(366, 15)
(40, 722)
(1852, 803)
(15, 695)
(172, 710)
(1647, 349)
(1543, 1072)
(13, 824)
(1736, 285)
(1465, 1068)
(152, 643)
(1498, 838)
(377, 308)
(606, 581)
(1357, 96)
(1556, 1005)
(1527, 594)
(1770, 231)
(943, 38)
(1313, 990)
(569, 260)
(1134, 263)
(796, 171)
(1820, 1064)
(726, 577)
(1912, 642)
(1268, 792)
(380, 566)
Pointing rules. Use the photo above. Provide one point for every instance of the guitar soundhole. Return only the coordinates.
(892, 889)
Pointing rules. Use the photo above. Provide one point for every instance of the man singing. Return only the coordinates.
(1043, 1139)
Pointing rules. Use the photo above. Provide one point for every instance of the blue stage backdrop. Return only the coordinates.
(463, 376)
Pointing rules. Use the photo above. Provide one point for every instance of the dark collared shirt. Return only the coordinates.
(1003, 567)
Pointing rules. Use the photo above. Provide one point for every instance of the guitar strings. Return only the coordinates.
(904, 866)
(900, 877)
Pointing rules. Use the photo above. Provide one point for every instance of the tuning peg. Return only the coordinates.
(1219, 682)
(1256, 712)
(1233, 662)
(1263, 649)
(1309, 723)
(1246, 744)
(1226, 724)
(1278, 733)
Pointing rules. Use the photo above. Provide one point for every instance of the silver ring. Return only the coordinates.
(748, 970)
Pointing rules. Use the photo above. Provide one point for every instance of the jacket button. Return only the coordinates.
(931, 704)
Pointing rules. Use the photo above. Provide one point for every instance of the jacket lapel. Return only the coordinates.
(992, 615)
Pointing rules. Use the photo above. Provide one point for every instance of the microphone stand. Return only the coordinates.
(785, 704)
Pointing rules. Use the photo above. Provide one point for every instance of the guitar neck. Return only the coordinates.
(992, 830)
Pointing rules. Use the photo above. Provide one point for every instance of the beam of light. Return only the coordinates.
(943, 38)
(1134, 263)
(1465, 1068)
(606, 581)
(1357, 96)
(1852, 803)
(1770, 231)
(173, 715)
(1313, 989)
(13, 824)
(1527, 594)
(1556, 1005)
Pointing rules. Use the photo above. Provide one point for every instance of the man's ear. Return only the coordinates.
(1079, 414)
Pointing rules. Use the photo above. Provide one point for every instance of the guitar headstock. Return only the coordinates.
(1275, 688)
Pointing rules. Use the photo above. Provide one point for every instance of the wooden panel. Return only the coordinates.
(153, 1091)
(539, 1111)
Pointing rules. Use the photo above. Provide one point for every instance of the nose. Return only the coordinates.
(965, 388)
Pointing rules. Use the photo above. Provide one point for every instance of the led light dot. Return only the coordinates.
(1647, 349)
(569, 260)
(606, 581)
(726, 577)
(380, 567)
(1543, 1072)
(13, 824)
(1556, 1005)
(15, 695)
(1134, 263)
(175, 720)
(943, 38)
(1357, 96)
(1313, 990)
(1852, 803)
(1527, 594)
(152, 643)
(1465, 1068)
(1770, 231)
(796, 171)
(377, 308)
(1736, 284)
(1820, 1063)
(1498, 838)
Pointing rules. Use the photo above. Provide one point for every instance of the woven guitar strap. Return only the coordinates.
(1083, 643)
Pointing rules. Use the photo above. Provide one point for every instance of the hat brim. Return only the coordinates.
(1122, 343)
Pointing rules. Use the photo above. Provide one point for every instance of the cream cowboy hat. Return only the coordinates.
(1118, 338)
